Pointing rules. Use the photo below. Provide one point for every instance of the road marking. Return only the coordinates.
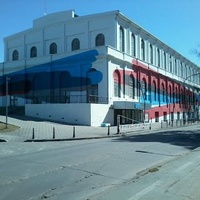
(145, 191)
(184, 166)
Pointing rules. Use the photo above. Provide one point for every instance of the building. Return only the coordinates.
(90, 69)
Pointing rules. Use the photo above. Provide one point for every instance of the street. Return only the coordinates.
(178, 180)
(143, 166)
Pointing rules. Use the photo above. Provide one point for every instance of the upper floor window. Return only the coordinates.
(189, 74)
(15, 55)
(170, 94)
(192, 74)
(151, 54)
(165, 61)
(175, 67)
(33, 52)
(100, 40)
(142, 50)
(185, 72)
(154, 92)
(163, 93)
(198, 80)
(133, 44)
(143, 86)
(75, 44)
(53, 48)
(121, 39)
(131, 83)
(181, 70)
(170, 63)
(158, 57)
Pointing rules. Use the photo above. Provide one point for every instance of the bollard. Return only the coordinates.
(108, 130)
(73, 132)
(53, 132)
(118, 131)
(33, 134)
(149, 126)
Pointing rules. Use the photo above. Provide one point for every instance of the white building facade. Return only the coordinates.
(89, 69)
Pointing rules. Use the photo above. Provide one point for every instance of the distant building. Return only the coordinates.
(89, 69)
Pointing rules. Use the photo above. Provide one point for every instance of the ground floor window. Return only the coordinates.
(156, 116)
(172, 116)
(178, 115)
(165, 116)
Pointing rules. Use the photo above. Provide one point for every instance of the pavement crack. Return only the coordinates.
(29, 177)
(98, 174)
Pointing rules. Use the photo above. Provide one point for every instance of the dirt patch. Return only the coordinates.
(9, 128)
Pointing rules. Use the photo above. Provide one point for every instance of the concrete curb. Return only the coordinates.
(74, 139)
(123, 134)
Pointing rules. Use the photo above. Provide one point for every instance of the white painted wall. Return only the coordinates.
(100, 113)
(82, 114)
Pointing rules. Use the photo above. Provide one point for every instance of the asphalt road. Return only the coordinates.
(177, 180)
(93, 169)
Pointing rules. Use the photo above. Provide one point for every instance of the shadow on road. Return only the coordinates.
(187, 139)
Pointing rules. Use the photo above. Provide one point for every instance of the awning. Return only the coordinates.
(131, 105)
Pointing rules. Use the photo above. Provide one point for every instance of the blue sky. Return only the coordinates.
(175, 22)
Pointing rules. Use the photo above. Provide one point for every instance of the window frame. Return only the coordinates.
(100, 40)
(75, 45)
(53, 48)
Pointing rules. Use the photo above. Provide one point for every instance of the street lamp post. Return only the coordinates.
(143, 95)
(7, 79)
(168, 102)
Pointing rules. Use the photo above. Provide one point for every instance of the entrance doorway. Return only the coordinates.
(130, 116)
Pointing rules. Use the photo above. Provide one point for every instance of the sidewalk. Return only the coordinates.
(41, 130)
(47, 130)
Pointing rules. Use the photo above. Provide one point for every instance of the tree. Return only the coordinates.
(196, 51)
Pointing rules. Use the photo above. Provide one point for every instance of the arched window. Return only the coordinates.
(142, 50)
(132, 44)
(176, 98)
(53, 48)
(181, 96)
(100, 40)
(15, 55)
(144, 89)
(121, 39)
(117, 87)
(154, 92)
(75, 44)
(170, 94)
(33, 52)
(151, 54)
(158, 57)
(131, 84)
(163, 93)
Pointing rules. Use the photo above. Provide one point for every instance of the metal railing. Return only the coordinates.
(178, 123)
(67, 99)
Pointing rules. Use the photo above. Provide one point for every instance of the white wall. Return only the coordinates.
(82, 114)
(100, 113)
